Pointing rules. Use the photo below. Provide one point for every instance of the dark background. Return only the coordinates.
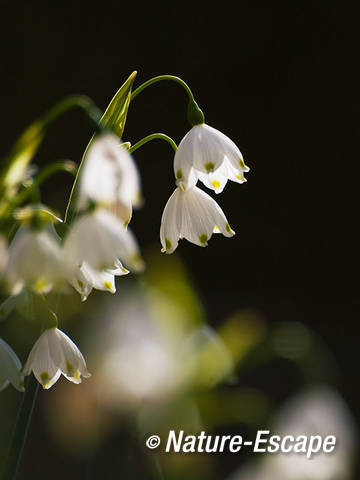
(278, 78)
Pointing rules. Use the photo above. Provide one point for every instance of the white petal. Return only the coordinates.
(209, 151)
(34, 260)
(109, 175)
(170, 224)
(183, 163)
(100, 280)
(200, 216)
(10, 367)
(94, 238)
(41, 363)
(73, 363)
(55, 353)
(77, 278)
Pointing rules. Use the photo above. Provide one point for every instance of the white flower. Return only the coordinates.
(109, 177)
(53, 354)
(210, 156)
(10, 367)
(100, 240)
(34, 260)
(194, 215)
(3, 254)
(85, 278)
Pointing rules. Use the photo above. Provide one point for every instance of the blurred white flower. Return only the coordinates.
(109, 177)
(53, 354)
(194, 215)
(318, 412)
(3, 254)
(10, 367)
(100, 240)
(144, 356)
(34, 260)
(209, 155)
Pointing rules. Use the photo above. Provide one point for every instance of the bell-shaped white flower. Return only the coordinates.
(210, 156)
(34, 260)
(194, 215)
(3, 254)
(85, 278)
(109, 177)
(53, 354)
(10, 367)
(100, 240)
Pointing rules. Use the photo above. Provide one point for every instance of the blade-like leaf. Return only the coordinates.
(115, 115)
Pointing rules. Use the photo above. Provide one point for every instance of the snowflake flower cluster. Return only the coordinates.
(97, 244)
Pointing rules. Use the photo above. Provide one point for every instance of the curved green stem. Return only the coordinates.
(160, 78)
(21, 430)
(195, 115)
(29, 142)
(154, 136)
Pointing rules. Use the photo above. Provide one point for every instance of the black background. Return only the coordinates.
(279, 78)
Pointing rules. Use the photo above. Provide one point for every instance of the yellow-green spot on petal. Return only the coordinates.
(80, 283)
(179, 174)
(123, 269)
(227, 227)
(203, 238)
(77, 375)
(168, 244)
(126, 223)
(107, 285)
(209, 166)
(44, 377)
(69, 367)
(41, 285)
(215, 184)
(242, 163)
(22, 384)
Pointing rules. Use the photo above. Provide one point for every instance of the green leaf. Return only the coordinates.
(115, 115)
(21, 155)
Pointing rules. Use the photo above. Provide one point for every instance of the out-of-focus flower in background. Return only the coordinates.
(318, 411)
(151, 352)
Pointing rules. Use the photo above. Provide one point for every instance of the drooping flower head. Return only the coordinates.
(209, 155)
(99, 239)
(109, 177)
(191, 214)
(53, 354)
(10, 367)
(34, 259)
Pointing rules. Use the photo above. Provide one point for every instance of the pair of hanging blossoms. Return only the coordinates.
(207, 155)
(94, 243)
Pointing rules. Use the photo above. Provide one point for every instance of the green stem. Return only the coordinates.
(160, 78)
(194, 114)
(70, 210)
(21, 430)
(154, 136)
(29, 142)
